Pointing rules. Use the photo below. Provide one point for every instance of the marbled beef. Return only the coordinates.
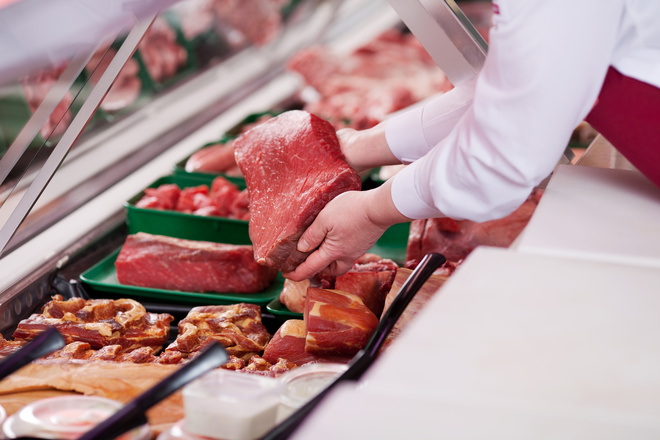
(293, 166)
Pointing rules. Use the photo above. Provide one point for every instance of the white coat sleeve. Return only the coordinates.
(545, 66)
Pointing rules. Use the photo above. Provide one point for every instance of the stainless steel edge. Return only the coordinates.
(72, 132)
(446, 34)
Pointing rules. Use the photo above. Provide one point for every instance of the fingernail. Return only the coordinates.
(303, 246)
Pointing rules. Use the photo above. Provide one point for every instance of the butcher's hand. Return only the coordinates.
(344, 230)
(366, 149)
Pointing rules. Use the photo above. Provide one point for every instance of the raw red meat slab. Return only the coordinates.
(457, 239)
(293, 166)
(161, 262)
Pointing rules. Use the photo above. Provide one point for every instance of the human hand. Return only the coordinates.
(344, 230)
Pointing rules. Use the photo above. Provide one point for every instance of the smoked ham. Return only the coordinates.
(293, 166)
(338, 323)
(370, 279)
(417, 303)
(288, 343)
(99, 322)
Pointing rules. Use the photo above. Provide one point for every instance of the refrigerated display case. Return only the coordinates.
(79, 220)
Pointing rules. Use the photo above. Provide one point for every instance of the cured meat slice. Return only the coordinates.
(417, 303)
(294, 292)
(288, 343)
(171, 263)
(293, 166)
(237, 327)
(370, 279)
(99, 322)
(338, 323)
(457, 239)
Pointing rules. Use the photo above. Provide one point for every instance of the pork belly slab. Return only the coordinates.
(162, 262)
(293, 166)
(237, 327)
(99, 322)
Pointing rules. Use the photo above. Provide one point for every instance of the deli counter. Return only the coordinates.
(553, 335)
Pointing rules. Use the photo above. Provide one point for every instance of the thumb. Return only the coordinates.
(311, 238)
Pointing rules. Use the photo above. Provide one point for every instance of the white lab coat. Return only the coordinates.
(477, 151)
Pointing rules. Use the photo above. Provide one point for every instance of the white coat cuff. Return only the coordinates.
(406, 198)
(404, 133)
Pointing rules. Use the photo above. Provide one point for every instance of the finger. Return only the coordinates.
(315, 263)
(312, 237)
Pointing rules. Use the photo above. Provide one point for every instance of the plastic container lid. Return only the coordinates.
(178, 432)
(303, 383)
(230, 405)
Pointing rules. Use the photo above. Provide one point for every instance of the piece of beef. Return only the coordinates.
(162, 262)
(456, 239)
(293, 166)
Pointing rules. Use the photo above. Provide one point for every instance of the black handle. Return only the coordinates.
(366, 356)
(47, 342)
(132, 414)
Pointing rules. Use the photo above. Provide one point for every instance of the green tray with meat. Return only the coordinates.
(207, 208)
(103, 277)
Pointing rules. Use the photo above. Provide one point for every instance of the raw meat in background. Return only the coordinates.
(127, 86)
(455, 239)
(362, 88)
(257, 21)
(35, 89)
(162, 54)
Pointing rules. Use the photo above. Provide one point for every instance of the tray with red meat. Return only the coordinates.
(210, 208)
(103, 277)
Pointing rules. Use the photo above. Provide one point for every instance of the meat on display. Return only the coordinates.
(170, 263)
(293, 166)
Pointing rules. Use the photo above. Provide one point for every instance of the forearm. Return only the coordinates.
(366, 149)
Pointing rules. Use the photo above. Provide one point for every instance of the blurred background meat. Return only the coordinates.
(35, 89)
(456, 239)
(258, 21)
(361, 88)
(163, 56)
(126, 87)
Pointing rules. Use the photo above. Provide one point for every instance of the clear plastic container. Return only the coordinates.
(66, 417)
(303, 383)
(230, 405)
(178, 432)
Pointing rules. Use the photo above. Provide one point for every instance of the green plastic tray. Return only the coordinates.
(103, 278)
(182, 225)
(280, 311)
(180, 167)
(393, 243)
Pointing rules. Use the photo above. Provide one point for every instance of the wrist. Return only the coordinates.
(381, 210)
